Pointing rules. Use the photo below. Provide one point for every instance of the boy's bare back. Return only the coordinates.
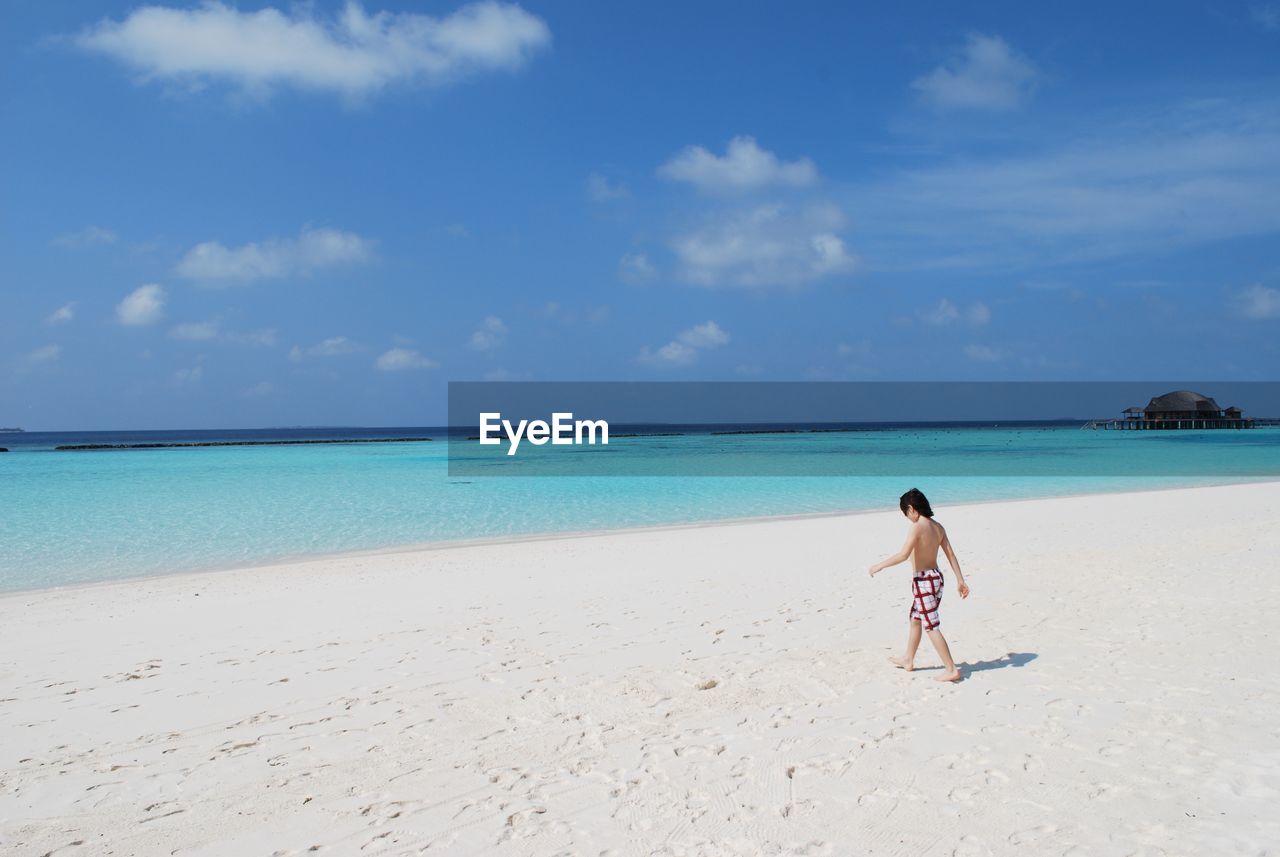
(927, 536)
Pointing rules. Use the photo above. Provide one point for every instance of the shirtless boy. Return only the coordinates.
(923, 540)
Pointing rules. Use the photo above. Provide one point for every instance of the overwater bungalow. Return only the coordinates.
(1181, 409)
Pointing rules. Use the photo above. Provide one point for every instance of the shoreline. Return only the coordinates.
(699, 690)
(426, 547)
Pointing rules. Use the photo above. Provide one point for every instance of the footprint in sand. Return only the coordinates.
(1102, 791)
(1115, 748)
(1032, 835)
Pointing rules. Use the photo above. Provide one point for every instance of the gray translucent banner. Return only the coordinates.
(899, 429)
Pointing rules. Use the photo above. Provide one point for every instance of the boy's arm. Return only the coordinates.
(900, 556)
(955, 566)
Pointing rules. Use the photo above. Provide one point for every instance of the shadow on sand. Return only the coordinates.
(1013, 659)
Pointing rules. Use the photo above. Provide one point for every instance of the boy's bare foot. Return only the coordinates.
(954, 675)
(902, 663)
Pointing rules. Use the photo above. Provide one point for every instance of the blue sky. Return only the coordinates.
(245, 215)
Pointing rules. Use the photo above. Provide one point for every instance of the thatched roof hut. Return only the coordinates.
(1180, 409)
(1182, 404)
(1183, 400)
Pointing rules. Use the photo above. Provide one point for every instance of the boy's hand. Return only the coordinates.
(874, 569)
(964, 589)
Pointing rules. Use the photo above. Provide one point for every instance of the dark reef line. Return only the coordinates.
(184, 444)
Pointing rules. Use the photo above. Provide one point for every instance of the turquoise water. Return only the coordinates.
(72, 517)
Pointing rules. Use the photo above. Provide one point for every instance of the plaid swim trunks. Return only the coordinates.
(926, 595)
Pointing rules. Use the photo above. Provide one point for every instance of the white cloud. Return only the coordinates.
(188, 376)
(989, 75)
(944, 312)
(334, 346)
(600, 189)
(685, 348)
(399, 359)
(491, 334)
(354, 54)
(199, 331)
(744, 166)
(672, 354)
(43, 355)
(705, 335)
(209, 331)
(502, 374)
(312, 250)
(940, 315)
(983, 353)
(262, 338)
(1170, 176)
(90, 236)
(1268, 17)
(1257, 302)
(62, 314)
(144, 305)
(635, 268)
(765, 246)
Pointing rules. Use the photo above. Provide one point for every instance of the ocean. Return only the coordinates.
(74, 517)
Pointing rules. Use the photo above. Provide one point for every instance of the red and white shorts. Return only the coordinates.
(926, 595)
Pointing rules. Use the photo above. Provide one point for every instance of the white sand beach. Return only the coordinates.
(717, 690)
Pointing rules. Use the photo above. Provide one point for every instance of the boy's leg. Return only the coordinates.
(944, 652)
(907, 661)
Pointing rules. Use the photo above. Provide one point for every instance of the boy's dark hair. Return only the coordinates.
(915, 499)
